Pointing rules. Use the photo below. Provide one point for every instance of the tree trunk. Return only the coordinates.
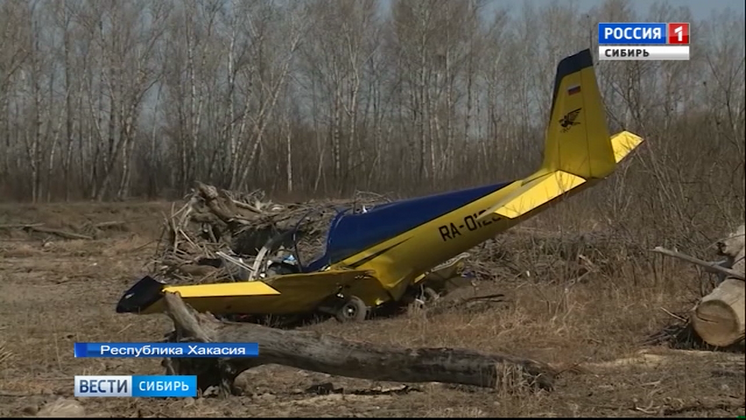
(320, 353)
(719, 317)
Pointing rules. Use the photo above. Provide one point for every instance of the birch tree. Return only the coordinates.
(109, 100)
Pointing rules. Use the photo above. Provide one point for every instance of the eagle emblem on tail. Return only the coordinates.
(568, 120)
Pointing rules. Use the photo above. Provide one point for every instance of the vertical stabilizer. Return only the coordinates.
(577, 139)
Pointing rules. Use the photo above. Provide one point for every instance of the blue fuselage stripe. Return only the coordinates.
(352, 233)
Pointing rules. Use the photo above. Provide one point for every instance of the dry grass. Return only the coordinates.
(591, 323)
(5, 355)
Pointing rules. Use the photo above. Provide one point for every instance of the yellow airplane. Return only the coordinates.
(382, 255)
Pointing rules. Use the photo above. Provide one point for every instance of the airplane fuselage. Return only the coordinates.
(399, 260)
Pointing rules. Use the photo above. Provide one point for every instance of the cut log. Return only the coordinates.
(719, 317)
(322, 353)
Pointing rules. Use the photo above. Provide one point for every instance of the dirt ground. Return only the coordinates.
(54, 292)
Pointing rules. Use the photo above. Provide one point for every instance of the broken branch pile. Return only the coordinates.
(214, 220)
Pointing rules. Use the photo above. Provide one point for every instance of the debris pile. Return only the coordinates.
(216, 226)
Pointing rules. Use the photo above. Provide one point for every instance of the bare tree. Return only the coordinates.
(109, 100)
(343, 40)
(273, 61)
(14, 50)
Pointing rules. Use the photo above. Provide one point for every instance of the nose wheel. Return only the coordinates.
(353, 310)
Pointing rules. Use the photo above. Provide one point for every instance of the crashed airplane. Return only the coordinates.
(392, 252)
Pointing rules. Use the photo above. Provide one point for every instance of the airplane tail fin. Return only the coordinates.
(577, 138)
(578, 146)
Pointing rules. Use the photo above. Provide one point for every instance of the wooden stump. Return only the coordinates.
(322, 353)
(719, 317)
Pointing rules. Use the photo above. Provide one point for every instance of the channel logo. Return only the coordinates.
(135, 386)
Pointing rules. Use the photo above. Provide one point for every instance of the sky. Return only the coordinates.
(700, 8)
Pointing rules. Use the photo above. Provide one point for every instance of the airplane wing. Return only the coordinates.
(279, 295)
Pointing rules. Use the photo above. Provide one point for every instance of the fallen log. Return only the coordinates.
(39, 228)
(335, 356)
(115, 224)
(719, 317)
(709, 266)
(20, 225)
(61, 233)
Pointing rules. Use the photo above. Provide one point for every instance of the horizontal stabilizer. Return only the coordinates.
(534, 193)
(624, 142)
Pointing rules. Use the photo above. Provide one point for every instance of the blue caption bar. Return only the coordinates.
(135, 386)
(134, 350)
(632, 33)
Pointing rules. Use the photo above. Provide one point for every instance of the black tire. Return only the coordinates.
(354, 310)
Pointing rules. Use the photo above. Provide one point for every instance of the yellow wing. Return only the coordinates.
(280, 295)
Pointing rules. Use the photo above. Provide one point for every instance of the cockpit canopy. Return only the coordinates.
(350, 232)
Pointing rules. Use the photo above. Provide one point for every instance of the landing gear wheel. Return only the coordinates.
(354, 310)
